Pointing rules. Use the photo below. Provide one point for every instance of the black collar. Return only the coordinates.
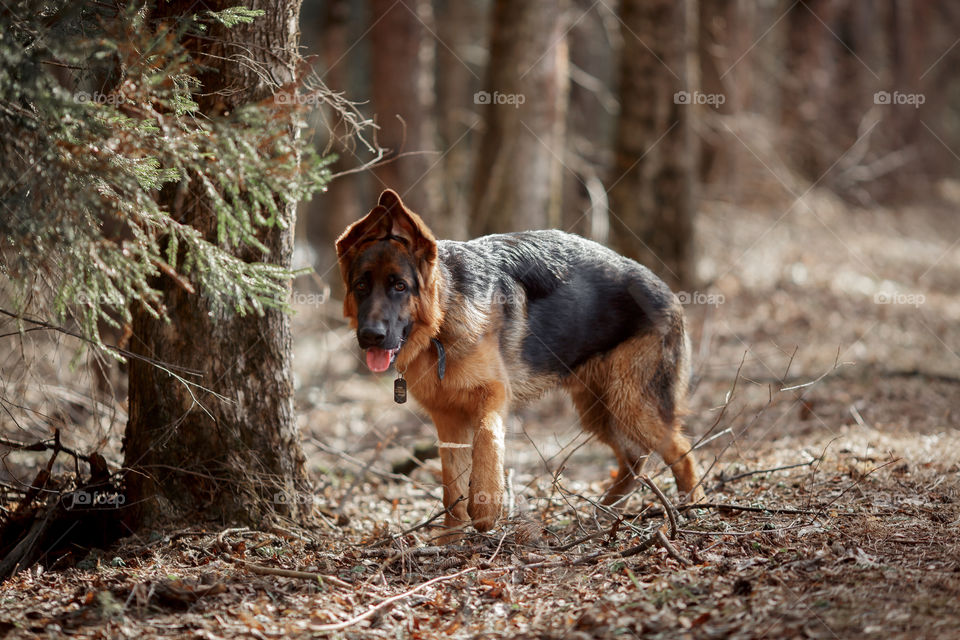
(441, 358)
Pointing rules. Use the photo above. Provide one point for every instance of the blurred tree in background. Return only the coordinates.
(519, 167)
(653, 182)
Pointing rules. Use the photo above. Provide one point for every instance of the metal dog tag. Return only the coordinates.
(399, 389)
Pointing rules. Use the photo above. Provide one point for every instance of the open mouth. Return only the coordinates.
(379, 360)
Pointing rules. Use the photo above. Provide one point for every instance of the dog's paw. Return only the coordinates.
(450, 535)
(697, 496)
(484, 509)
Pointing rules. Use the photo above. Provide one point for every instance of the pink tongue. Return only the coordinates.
(378, 360)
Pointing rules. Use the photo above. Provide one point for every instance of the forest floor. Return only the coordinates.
(828, 402)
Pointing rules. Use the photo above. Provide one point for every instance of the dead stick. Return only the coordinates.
(421, 525)
(643, 546)
(667, 506)
(662, 539)
(290, 573)
(722, 481)
(580, 540)
(336, 626)
(652, 513)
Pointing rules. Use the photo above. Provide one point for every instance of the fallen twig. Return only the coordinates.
(740, 476)
(288, 573)
(652, 513)
(648, 542)
(55, 446)
(336, 626)
(580, 540)
(221, 537)
(418, 526)
(668, 507)
(663, 542)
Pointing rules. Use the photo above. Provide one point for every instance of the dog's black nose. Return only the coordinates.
(371, 336)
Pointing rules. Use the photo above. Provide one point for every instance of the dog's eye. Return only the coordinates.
(360, 287)
(400, 285)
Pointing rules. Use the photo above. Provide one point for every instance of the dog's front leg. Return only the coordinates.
(486, 479)
(455, 433)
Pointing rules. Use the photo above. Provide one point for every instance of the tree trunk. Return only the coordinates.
(235, 457)
(809, 87)
(402, 96)
(652, 189)
(519, 169)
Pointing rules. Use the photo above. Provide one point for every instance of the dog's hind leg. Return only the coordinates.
(640, 390)
(596, 418)
(631, 461)
(676, 451)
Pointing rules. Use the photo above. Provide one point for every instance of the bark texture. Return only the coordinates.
(235, 455)
(652, 189)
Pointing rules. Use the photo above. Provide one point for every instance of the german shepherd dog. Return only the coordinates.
(478, 327)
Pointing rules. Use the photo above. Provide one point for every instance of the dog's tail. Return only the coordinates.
(674, 369)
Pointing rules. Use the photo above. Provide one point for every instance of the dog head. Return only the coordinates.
(388, 262)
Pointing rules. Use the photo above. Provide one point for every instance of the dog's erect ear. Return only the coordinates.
(389, 220)
(390, 199)
(375, 224)
(408, 226)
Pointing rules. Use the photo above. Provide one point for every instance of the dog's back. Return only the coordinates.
(557, 300)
